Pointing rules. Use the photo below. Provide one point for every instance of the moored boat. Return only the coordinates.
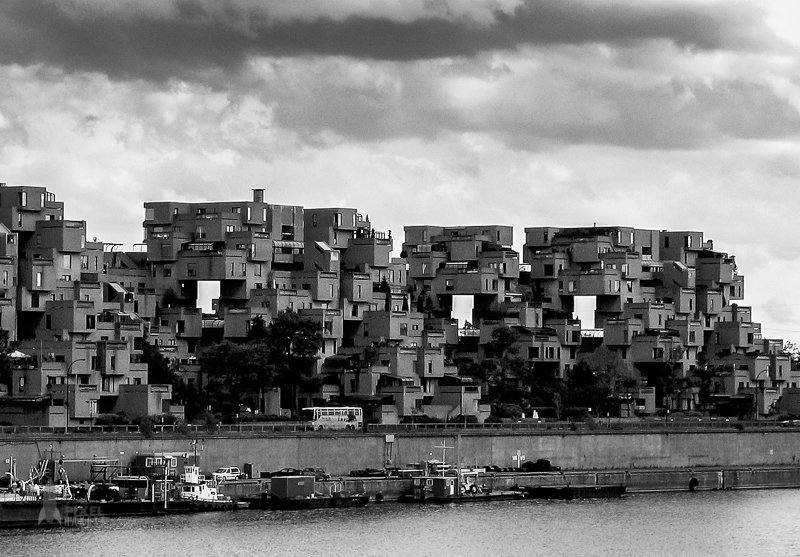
(301, 492)
(570, 492)
(466, 487)
(39, 501)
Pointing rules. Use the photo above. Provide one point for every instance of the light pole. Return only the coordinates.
(66, 393)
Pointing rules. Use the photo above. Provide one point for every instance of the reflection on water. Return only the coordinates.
(705, 523)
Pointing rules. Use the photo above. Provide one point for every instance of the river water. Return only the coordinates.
(742, 523)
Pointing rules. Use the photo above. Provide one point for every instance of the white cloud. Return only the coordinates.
(649, 133)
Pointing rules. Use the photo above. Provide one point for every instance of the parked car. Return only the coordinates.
(318, 473)
(541, 465)
(228, 473)
(285, 472)
(369, 473)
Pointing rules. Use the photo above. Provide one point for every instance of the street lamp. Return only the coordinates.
(66, 393)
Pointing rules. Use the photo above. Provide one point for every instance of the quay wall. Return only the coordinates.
(339, 452)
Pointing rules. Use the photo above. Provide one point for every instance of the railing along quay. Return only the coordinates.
(302, 428)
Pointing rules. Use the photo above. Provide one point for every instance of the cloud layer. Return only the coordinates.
(680, 114)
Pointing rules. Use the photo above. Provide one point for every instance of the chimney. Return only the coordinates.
(258, 196)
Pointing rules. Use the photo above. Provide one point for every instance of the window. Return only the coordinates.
(200, 232)
(403, 329)
(688, 241)
(5, 278)
(23, 198)
(191, 270)
(666, 241)
(229, 228)
(90, 321)
(313, 220)
(38, 279)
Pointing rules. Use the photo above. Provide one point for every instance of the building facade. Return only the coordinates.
(78, 312)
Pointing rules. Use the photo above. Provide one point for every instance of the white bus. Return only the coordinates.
(334, 417)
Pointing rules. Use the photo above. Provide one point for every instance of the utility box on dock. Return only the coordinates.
(251, 470)
(287, 487)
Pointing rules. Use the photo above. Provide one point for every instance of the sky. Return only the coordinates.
(676, 115)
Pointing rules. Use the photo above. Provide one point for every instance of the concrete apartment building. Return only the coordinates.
(77, 337)
(79, 311)
(661, 298)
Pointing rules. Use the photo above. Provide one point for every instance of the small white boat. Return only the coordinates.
(195, 487)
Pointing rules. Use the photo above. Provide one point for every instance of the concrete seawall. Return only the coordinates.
(338, 453)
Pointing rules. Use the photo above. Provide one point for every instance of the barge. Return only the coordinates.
(301, 492)
(570, 492)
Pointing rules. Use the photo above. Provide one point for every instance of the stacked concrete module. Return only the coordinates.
(81, 310)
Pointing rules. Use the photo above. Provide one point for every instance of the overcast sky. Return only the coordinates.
(681, 115)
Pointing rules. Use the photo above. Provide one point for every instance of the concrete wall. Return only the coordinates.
(338, 453)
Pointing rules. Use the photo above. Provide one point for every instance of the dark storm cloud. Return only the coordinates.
(196, 40)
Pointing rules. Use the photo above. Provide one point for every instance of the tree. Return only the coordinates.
(159, 368)
(387, 293)
(293, 343)
(258, 330)
(6, 372)
(793, 351)
(235, 371)
(611, 369)
(585, 387)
